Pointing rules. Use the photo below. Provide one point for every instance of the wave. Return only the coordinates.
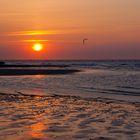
(110, 91)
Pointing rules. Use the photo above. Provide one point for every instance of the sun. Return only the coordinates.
(37, 47)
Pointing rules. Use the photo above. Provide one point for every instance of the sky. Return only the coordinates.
(112, 28)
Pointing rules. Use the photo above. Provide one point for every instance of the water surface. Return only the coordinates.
(106, 79)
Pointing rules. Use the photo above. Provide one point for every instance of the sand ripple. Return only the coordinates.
(63, 117)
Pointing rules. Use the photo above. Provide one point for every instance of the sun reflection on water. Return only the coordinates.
(36, 130)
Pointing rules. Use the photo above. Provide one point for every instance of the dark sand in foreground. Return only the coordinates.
(65, 117)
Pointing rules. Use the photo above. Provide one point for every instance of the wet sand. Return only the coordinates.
(65, 117)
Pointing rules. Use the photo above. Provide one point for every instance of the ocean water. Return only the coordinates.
(117, 80)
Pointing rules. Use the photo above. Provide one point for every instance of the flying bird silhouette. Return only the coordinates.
(84, 41)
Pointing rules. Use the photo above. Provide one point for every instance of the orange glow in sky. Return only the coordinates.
(112, 28)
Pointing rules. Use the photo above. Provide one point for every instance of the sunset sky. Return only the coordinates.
(111, 26)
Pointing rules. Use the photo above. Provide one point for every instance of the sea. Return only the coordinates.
(107, 79)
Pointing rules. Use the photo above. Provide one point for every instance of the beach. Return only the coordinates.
(67, 117)
(83, 100)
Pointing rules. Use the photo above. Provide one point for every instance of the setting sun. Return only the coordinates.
(37, 47)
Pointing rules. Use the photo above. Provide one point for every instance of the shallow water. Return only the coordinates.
(107, 79)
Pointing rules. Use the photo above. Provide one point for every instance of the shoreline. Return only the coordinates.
(96, 99)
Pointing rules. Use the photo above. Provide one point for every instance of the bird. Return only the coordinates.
(84, 40)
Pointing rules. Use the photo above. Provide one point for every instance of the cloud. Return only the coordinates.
(31, 40)
(33, 33)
